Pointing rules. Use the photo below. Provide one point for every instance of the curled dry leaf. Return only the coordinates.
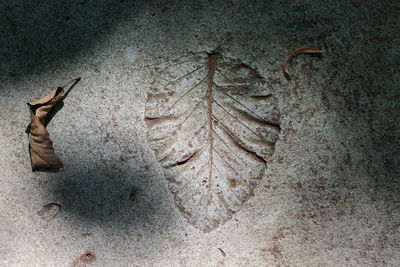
(49, 211)
(301, 50)
(40, 144)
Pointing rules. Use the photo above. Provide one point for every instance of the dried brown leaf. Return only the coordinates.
(301, 50)
(41, 146)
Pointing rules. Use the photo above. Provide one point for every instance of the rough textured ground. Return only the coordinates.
(330, 195)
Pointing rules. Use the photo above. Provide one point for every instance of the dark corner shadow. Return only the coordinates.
(38, 35)
(56, 108)
(101, 196)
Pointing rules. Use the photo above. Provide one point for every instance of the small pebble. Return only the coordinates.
(49, 211)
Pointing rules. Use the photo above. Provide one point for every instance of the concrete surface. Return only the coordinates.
(330, 195)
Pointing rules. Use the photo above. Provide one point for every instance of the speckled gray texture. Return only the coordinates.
(330, 196)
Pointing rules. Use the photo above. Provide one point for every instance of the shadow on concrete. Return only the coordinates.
(37, 35)
(104, 197)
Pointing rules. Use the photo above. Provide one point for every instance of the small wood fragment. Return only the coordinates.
(301, 50)
(222, 252)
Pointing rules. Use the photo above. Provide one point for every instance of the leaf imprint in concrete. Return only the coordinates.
(213, 124)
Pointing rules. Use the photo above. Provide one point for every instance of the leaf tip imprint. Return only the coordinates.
(301, 50)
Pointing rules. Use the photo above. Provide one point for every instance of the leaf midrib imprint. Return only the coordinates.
(212, 60)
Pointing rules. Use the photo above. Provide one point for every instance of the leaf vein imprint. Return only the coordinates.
(212, 60)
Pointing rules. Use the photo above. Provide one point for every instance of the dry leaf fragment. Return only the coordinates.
(40, 144)
(301, 50)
